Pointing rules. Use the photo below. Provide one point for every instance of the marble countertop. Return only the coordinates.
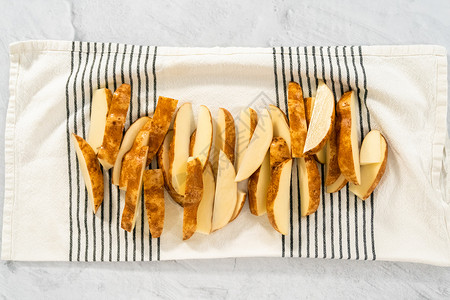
(221, 23)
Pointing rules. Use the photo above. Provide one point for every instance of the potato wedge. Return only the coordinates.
(115, 123)
(321, 155)
(164, 112)
(348, 144)
(163, 161)
(154, 200)
(371, 152)
(127, 143)
(101, 101)
(241, 196)
(133, 194)
(193, 196)
(226, 193)
(205, 208)
(279, 152)
(225, 136)
(257, 148)
(183, 127)
(322, 119)
(337, 185)
(258, 185)
(248, 119)
(371, 173)
(297, 118)
(310, 182)
(280, 125)
(90, 170)
(278, 197)
(203, 136)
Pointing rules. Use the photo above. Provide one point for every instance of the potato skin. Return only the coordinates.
(297, 117)
(154, 200)
(193, 196)
(345, 156)
(94, 170)
(133, 190)
(314, 185)
(163, 151)
(115, 122)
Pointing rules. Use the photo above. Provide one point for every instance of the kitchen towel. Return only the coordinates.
(402, 91)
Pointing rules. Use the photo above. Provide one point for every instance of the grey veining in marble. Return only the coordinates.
(221, 23)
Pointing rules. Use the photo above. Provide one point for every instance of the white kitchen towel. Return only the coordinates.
(402, 91)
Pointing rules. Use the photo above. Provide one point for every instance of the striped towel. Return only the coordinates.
(402, 91)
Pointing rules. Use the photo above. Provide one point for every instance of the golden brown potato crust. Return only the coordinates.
(154, 200)
(115, 122)
(297, 119)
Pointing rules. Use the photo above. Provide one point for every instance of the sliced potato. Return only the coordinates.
(248, 119)
(310, 182)
(258, 185)
(371, 173)
(321, 155)
(278, 197)
(183, 127)
(164, 112)
(257, 148)
(322, 119)
(154, 200)
(226, 193)
(225, 135)
(371, 152)
(241, 196)
(203, 136)
(297, 118)
(90, 170)
(280, 124)
(279, 152)
(133, 194)
(127, 143)
(205, 208)
(115, 123)
(193, 196)
(348, 144)
(101, 100)
(163, 161)
(337, 185)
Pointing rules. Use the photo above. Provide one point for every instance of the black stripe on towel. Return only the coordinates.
(298, 185)
(117, 188)
(283, 249)
(102, 256)
(308, 79)
(122, 77)
(362, 136)
(91, 92)
(130, 74)
(69, 151)
(77, 163)
(347, 190)
(316, 245)
(146, 80)
(138, 70)
(331, 194)
(83, 127)
(291, 218)
(324, 225)
(341, 255)
(370, 128)
(154, 81)
(276, 76)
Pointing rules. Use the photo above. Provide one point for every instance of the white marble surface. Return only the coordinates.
(221, 23)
